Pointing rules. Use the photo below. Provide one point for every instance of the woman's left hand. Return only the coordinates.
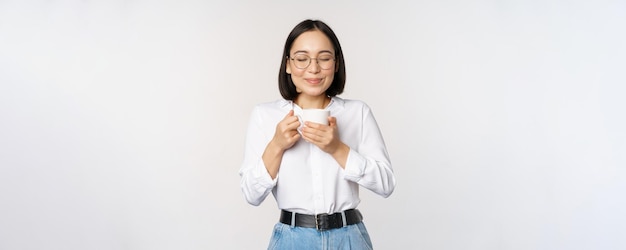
(327, 139)
(323, 136)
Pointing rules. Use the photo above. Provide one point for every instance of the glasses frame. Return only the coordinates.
(334, 59)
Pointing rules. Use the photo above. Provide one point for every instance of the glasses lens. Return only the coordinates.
(326, 62)
(301, 61)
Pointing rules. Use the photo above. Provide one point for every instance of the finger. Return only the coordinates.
(311, 135)
(332, 121)
(293, 125)
(290, 119)
(307, 138)
(319, 130)
(290, 113)
(309, 130)
(295, 136)
(313, 125)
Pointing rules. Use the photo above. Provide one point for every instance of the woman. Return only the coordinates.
(314, 170)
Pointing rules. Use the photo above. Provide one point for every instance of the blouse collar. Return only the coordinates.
(335, 102)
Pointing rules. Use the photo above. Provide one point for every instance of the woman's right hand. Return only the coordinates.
(285, 137)
(287, 132)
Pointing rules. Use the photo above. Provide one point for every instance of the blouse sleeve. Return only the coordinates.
(256, 183)
(369, 164)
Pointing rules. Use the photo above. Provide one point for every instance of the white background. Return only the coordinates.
(122, 122)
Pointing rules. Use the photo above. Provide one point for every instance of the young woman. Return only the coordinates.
(314, 170)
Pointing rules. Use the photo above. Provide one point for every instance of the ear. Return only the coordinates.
(288, 66)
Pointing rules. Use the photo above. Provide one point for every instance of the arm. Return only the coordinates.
(256, 183)
(370, 166)
(285, 137)
(262, 158)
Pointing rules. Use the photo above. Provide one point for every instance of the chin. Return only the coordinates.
(313, 93)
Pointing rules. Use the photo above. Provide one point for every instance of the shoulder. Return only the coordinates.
(272, 105)
(273, 108)
(351, 104)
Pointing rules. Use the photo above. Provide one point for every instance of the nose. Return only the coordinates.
(314, 66)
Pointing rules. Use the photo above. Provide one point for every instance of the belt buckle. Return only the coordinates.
(321, 222)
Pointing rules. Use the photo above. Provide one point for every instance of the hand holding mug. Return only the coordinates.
(322, 133)
(286, 134)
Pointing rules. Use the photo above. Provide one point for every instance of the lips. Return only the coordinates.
(313, 81)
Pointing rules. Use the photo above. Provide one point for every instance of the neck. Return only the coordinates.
(310, 102)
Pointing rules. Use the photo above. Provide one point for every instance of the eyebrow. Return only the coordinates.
(304, 51)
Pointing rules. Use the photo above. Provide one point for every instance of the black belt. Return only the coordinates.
(322, 221)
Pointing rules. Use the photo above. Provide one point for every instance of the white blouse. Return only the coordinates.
(309, 180)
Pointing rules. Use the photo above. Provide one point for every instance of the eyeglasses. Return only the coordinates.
(303, 61)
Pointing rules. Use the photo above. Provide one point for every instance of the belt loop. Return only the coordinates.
(343, 218)
(293, 219)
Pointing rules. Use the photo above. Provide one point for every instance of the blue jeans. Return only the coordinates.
(286, 237)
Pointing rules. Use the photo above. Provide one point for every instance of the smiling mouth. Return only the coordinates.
(313, 80)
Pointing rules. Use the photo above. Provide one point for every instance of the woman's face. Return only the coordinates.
(313, 80)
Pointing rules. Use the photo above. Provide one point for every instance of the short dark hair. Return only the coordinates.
(286, 86)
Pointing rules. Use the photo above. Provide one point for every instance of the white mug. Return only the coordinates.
(315, 115)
